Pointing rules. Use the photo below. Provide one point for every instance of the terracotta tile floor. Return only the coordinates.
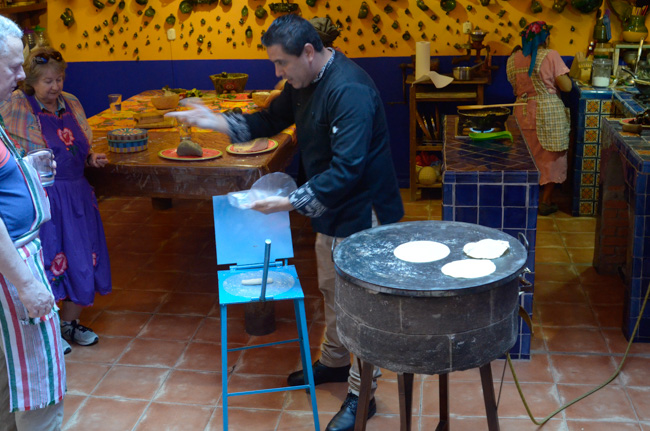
(157, 365)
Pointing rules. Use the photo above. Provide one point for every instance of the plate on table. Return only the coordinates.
(230, 149)
(631, 121)
(208, 154)
(237, 97)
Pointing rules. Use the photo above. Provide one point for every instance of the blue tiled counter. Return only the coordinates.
(628, 106)
(589, 106)
(623, 228)
(494, 184)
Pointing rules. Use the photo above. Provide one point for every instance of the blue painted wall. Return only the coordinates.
(91, 82)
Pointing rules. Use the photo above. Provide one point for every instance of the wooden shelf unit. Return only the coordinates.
(427, 93)
(618, 46)
(27, 15)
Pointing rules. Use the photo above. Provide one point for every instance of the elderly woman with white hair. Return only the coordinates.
(32, 369)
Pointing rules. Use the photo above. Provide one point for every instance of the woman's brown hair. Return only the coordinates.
(37, 62)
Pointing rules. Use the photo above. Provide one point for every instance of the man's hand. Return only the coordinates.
(272, 204)
(200, 116)
(97, 160)
(36, 298)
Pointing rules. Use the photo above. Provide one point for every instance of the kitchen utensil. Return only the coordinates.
(477, 35)
(423, 126)
(629, 57)
(490, 106)
(162, 103)
(632, 128)
(484, 119)
(643, 86)
(464, 73)
(490, 136)
(638, 55)
(229, 82)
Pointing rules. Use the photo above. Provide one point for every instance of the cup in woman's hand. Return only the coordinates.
(43, 161)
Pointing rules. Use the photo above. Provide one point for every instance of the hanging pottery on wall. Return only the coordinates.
(586, 6)
(67, 17)
(284, 7)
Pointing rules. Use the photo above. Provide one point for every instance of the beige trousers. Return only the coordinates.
(333, 352)
(48, 418)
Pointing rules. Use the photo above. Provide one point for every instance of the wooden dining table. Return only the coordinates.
(147, 174)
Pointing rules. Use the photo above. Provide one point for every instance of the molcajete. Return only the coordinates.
(410, 317)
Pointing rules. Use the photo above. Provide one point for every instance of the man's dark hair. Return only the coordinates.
(292, 32)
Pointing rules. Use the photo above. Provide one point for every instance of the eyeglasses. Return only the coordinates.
(44, 58)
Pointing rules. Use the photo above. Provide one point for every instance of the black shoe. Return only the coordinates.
(322, 374)
(345, 418)
(547, 209)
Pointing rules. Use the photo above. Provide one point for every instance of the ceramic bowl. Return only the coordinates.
(229, 82)
(163, 103)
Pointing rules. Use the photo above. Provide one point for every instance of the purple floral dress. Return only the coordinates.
(74, 244)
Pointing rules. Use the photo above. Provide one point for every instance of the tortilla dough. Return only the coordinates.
(255, 281)
(421, 251)
(469, 268)
(486, 249)
(258, 144)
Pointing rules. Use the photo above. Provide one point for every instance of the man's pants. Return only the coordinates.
(333, 352)
(48, 418)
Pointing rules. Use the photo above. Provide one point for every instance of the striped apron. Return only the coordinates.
(552, 122)
(32, 346)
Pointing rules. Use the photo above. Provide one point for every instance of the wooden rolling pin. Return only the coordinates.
(490, 106)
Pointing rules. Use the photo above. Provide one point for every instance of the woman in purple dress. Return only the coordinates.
(41, 115)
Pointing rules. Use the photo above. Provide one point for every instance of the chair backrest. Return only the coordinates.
(240, 234)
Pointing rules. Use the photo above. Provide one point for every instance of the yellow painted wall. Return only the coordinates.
(152, 43)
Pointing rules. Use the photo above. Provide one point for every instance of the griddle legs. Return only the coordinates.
(366, 369)
(443, 395)
(405, 386)
(488, 397)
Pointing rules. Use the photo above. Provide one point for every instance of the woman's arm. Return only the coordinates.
(34, 295)
(564, 82)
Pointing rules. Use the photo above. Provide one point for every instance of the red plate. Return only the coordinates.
(631, 121)
(230, 149)
(208, 154)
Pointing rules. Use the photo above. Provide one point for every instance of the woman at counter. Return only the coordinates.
(41, 115)
(537, 74)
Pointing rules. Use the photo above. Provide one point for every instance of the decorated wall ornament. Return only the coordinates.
(284, 7)
(67, 17)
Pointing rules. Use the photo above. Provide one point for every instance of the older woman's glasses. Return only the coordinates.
(44, 58)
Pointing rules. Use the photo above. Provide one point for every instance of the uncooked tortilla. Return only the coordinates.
(486, 249)
(469, 268)
(421, 251)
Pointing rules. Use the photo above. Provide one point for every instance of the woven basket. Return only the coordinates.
(233, 82)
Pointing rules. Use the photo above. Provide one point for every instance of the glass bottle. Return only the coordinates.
(41, 36)
(600, 32)
(29, 39)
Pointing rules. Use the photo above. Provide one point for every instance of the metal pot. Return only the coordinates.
(643, 86)
(484, 119)
(462, 73)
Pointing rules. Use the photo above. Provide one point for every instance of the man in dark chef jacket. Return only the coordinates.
(345, 149)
